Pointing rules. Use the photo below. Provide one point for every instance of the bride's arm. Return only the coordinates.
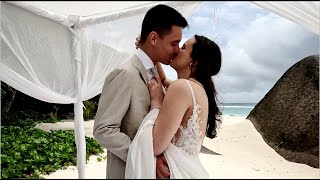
(165, 81)
(173, 108)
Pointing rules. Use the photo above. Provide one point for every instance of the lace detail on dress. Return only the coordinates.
(190, 138)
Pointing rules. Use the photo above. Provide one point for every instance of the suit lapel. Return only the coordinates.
(138, 64)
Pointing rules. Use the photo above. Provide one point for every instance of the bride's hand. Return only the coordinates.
(155, 91)
(137, 43)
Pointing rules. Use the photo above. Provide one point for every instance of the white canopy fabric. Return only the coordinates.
(55, 58)
(304, 13)
(61, 52)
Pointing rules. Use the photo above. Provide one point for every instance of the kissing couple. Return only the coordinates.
(154, 127)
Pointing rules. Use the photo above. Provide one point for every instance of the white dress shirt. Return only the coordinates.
(147, 63)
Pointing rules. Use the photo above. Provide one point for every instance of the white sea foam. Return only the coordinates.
(236, 107)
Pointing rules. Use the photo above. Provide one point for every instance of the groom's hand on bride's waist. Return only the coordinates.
(162, 169)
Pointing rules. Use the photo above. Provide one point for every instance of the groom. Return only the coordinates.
(125, 99)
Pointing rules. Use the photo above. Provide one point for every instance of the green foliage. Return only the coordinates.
(89, 110)
(26, 118)
(28, 152)
(101, 157)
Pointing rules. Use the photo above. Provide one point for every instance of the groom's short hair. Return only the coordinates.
(160, 19)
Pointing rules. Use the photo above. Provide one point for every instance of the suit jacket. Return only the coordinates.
(123, 104)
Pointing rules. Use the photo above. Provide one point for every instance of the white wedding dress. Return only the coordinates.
(182, 154)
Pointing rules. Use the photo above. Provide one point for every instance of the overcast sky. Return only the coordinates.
(257, 47)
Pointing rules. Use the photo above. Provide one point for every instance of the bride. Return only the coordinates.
(179, 120)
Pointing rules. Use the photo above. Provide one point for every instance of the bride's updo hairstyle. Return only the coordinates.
(207, 54)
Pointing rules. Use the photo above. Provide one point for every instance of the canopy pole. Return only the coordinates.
(78, 107)
(0, 94)
(80, 139)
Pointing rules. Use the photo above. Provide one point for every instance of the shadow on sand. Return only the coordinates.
(208, 151)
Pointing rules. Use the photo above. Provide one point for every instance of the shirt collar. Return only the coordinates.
(145, 59)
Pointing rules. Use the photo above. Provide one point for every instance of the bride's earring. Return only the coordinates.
(190, 66)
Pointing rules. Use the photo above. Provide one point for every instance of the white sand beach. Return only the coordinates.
(239, 152)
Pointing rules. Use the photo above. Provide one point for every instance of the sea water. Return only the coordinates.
(236, 109)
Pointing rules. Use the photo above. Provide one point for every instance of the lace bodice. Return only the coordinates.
(190, 138)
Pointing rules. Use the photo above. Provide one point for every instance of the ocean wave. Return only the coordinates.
(235, 115)
(251, 107)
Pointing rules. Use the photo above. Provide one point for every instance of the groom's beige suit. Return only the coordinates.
(124, 103)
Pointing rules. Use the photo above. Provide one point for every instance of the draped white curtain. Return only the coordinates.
(36, 56)
(304, 13)
(62, 57)
(65, 59)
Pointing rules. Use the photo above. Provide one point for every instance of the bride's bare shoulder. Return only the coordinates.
(178, 85)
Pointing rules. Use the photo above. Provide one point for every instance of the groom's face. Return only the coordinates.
(168, 45)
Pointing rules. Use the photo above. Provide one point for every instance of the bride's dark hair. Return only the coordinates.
(207, 54)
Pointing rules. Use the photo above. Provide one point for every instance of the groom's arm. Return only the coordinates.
(113, 105)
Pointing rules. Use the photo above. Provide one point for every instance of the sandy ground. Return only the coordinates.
(239, 152)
